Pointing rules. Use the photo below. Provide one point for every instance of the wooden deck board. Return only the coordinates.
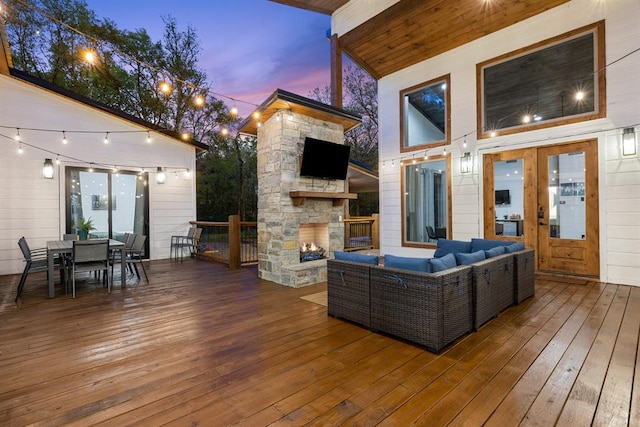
(203, 345)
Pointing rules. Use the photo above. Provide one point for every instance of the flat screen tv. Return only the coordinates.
(324, 159)
(503, 197)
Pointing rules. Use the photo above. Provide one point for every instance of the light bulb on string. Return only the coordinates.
(198, 100)
(464, 144)
(17, 136)
(148, 137)
(165, 87)
(224, 131)
(57, 159)
(256, 115)
(64, 138)
(90, 56)
(106, 138)
(259, 124)
(187, 173)
(234, 110)
(185, 136)
(20, 149)
(90, 167)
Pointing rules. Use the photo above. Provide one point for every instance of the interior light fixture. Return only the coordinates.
(465, 163)
(47, 169)
(628, 142)
(161, 176)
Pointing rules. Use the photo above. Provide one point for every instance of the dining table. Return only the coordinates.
(65, 247)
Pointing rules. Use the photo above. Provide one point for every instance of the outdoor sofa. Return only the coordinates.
(405, 299)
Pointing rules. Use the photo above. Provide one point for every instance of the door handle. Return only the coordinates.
(541, 223)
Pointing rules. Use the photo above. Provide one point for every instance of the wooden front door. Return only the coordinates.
(547, 197)
(567, 215)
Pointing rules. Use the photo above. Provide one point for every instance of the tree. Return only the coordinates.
(360, 97)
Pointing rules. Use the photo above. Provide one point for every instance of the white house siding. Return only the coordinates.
(619, 178)
(34, 207)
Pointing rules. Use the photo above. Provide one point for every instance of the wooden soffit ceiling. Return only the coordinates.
(412, 31)
(326, 7)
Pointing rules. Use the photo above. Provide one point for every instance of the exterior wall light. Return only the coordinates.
(466, 163)
(47, 169)
(161, 177)
(628, 142)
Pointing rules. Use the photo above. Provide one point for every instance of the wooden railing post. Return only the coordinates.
(234, 242)
(375, 231)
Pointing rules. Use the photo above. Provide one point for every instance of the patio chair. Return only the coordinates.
(90, 255)
(431, 233)
(134, 255)
(177, 241)
(190, 243)
(35, 261)
(129, 239)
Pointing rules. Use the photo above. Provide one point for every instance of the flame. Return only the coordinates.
(308, 247)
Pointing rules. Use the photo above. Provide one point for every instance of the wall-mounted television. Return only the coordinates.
(503, 197)
(324, 159)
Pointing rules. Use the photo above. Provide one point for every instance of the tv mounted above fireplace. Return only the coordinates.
(324, 159)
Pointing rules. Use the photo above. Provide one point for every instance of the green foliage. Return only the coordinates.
(85, 225)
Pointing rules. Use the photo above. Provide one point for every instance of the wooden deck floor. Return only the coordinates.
(202, 345)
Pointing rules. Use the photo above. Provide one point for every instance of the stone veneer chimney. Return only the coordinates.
(285, 120)
(280, 144)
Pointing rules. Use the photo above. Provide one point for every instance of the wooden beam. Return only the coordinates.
(336, 72)
(299, 197)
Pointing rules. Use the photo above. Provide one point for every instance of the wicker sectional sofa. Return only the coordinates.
(429, 309)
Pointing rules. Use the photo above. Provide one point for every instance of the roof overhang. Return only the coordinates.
(361, 179)
(411, 31)
(43, 84)
(326, 7)
(281, 100)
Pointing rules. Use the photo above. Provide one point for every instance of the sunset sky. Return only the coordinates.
(249, 47)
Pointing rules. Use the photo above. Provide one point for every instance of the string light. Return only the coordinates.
(106, 138)
(256, 115)
(234, 110)
(148, 137)
(20, 149)
(198, 101)
(64, 137)
(165, 88)
(17, 137)
(224, 131)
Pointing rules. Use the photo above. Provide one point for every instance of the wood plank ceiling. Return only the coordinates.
(412, 31)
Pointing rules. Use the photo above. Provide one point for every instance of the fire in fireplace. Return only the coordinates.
(310, 252)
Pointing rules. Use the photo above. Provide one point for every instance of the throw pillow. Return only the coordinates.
(446, 246)
(466, 259)
(443, 263)
(354, 257)
(486, 244)
(405, 263)
(518, 246)
(498, 250)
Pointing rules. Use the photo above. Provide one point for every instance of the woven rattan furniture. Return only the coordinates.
(430, 309)
(524, 274)
(348, 291)
(493, 288)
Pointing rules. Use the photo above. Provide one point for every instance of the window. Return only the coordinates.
(508, 181)
(94, 194)
(554, 82)
(424, 115)
(425, 208)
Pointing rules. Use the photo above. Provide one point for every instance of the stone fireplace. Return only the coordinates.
(314, 241)
(294, 209)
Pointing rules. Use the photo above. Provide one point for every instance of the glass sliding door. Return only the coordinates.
(116, 202)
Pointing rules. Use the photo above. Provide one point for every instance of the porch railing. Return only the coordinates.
(361, 233)
(233, 242)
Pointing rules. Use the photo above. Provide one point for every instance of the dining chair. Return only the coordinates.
(134, 255)
(90, 255)
(129, 239)
(177, 242)
(35, 261)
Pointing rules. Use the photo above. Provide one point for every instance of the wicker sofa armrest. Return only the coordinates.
(492, 287)
(524, 275)
(348, 291)
(430, 309)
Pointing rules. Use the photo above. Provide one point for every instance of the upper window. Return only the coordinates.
(424, 115)
(554, 82)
